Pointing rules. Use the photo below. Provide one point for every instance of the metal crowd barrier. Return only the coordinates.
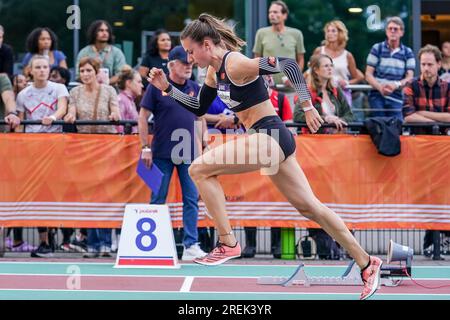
(435, 126)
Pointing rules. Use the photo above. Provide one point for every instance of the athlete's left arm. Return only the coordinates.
(242, 69)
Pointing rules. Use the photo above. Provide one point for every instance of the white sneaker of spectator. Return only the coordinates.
(105, 251)
(192, 253)
(115, 244)
(91, 253)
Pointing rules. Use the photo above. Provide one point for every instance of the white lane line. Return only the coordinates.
(3, 263)
(169, 276)
(186, 287)
(442, 295)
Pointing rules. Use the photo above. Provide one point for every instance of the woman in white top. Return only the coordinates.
(345, 70)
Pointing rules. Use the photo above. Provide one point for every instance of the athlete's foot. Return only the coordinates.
(370, 276)
(220, 254)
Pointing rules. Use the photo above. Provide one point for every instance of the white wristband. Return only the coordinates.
(146, 150)
(53, 117)
(308, 108)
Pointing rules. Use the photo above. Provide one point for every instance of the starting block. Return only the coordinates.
(351, 277)
(390, 275)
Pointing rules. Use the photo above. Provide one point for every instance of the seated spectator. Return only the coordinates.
(44, 101)
(60, 75)
(427, 98)
(157, 55)
(6, 56)
(7, 99)
(130, 86)
(19, 83)
(444, 71)
(327, 99)
(390, 65)
(8, 96)
(101, 39)
(92, 100)
(345, 69)
(8, 104)
(48, 97)
(43, 41)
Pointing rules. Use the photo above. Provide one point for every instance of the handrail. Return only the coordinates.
(128, 124)
(354, 87)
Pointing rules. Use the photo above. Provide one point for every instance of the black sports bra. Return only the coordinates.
(240, 97)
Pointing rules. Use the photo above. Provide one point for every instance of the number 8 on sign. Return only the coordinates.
(146, 233)
(146, 239)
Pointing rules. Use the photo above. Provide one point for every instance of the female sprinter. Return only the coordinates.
(237, 80)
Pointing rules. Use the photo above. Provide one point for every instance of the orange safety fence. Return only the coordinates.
(70, 180)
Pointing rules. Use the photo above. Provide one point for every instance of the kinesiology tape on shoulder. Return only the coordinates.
(289, 67)
(197, 105)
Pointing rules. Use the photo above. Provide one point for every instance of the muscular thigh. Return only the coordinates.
(292, 182)
(243, 154)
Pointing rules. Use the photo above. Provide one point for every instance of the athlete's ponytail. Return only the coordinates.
(209, 26)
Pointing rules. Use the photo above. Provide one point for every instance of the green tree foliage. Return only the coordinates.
(310, 16)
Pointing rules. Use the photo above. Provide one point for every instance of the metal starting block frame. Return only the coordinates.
(351, 277)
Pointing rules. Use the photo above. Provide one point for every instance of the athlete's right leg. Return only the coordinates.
(205, 170)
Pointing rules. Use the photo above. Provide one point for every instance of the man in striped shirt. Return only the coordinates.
(427, 98)
(390, 65)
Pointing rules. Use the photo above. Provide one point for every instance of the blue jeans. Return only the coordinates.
(98, 238)
(190, 197)
(392, 105)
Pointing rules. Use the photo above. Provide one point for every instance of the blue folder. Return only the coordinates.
(152, 176)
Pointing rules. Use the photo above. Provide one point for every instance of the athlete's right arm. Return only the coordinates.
(198, 105)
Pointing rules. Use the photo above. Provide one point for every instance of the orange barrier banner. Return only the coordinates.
(69, 180)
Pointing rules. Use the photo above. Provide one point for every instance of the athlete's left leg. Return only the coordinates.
(292, 182)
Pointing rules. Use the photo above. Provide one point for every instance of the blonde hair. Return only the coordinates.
(314, 80)
(209, 26)
(126, 73)
(342, 32)
(38, 57)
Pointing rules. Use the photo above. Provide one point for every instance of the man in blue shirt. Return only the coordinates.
(390, 65)
(172, 121)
